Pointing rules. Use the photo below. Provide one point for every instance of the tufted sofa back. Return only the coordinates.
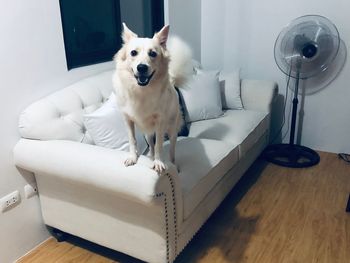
(59, 116)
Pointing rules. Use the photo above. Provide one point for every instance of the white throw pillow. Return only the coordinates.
(230, 86)
(107, 127)
(201, 95)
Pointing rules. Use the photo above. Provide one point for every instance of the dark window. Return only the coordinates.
(92, 28)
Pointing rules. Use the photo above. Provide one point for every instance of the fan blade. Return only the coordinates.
(306, 46)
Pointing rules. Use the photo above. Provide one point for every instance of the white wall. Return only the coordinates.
(242, 34)
(212, 34)
(32, 66)
(184, 18)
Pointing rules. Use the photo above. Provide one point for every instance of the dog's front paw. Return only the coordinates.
(131, 160)
(158, 166)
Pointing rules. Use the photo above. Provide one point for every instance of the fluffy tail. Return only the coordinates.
(180, 66)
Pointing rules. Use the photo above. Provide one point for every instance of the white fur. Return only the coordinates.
(151, 102)
(180, 66)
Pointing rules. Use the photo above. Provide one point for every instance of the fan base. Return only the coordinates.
(291, 155)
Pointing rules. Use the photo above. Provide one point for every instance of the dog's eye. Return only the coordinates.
(152, 54)
(133, 53)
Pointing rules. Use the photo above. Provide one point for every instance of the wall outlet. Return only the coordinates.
(30, 190)
(9, 201)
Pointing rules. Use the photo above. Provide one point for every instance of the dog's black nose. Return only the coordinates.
(142, 68)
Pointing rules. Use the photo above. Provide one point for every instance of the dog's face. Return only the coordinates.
(144, 58)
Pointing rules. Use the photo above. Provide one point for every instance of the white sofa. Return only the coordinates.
(86, 190)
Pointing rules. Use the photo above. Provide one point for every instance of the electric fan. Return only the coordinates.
(305, 48)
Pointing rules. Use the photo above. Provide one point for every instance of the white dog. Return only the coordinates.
(144, 80)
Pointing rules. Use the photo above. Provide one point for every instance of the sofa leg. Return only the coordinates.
(59, 235)
(348, 205)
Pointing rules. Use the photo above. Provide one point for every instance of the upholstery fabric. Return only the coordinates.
(201, 95)
(258, 95)
(238, 127)
(230, 87)
(59, 116)
(92, 166)
(107, 128)
(106, 219)
(87, 191)
(201, 164)
(217, 194)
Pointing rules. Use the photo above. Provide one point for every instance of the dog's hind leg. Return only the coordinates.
(172, 138)
(150, 141)
(132, 159)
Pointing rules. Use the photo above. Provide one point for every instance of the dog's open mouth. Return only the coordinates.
(143, 80)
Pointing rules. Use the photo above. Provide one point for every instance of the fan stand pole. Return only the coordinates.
(294, 110)
(292, 155)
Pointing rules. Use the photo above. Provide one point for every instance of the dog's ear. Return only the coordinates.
(162, 36)
(127, 34)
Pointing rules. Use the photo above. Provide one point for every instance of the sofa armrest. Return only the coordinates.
(98, 167)
(258, 94)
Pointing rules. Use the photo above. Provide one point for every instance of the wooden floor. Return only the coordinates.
(273, 215)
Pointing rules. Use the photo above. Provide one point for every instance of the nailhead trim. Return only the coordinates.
(175, 212)
(167, 218)
(166, 229)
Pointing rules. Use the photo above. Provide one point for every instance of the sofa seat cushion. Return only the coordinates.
(201, 163)
(238, 127)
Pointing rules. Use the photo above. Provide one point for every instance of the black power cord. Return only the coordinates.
(284, 111)
(344, 156)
